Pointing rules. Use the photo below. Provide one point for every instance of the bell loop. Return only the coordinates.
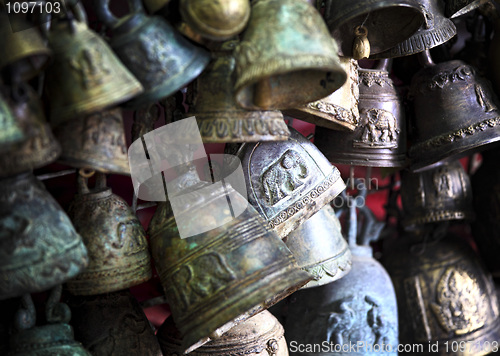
(25, 317)
(106, 16)
(56, 312)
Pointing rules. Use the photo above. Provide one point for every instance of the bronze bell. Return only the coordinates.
(320, 249)
(379, 139)
(118, 251)
(95, 142)
(85, 76)
(219, 118)
(339, 110)
(153, 51)
(40, 247)
(455, 113)
(289, 66)
(261, 335)
(455, 8)
(112, 324)
(10, 130)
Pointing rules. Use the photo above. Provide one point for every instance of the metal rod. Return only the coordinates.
(56, 174)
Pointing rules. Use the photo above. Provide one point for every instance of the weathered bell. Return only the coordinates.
(385, 23)
(288, 182)
(95, 142)
(339, 110)
(320, 249)
(439, 194)
(112, 324)
(261, 335)
(10, 130)
(455, 113)
(219, 118)
(294, 64)
(115, 239)
(85, 76)
(455, 8)
(379, 139)
(39, 246)
(159, 57)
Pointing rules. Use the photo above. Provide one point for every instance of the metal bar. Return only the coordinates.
(56, 174)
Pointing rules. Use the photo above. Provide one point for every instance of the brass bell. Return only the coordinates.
(455, 113)
(112, 324)
(115, 239)
(159, 57)
(379, 139)
(339, 110)
(320, 249)
(294, 64)
(455, 8)
(40, 247)
(85, 76)
(219, 118)
(261, 335)
(10, 130)
(95, 142)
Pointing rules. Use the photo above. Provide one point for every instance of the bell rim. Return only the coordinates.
(438, 216)
(117, 167)
(324, 119)
(342, 264)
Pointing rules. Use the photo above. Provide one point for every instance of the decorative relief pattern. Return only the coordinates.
(338, 112)
(440, 80)
(380, 131)
(90, 65)
(379, 78)
(227, 128)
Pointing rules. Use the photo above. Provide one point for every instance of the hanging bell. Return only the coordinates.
(219, 118)
(455, 8)
(112, 324)
(85, 76)
(294, 64)
(455, 113)
(261, 335)
(339, 110)
(159, 57)
(115, 239)
(95, 142)
(379, 139)
(10, 129)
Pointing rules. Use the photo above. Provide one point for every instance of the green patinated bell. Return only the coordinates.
(10, 130)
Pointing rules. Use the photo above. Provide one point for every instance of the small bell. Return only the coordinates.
(115, 239)
(294, 64)
(379, 139)
(10, 130)
(455, 8)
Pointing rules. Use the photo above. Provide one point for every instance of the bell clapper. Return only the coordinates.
(262, 94)
(361, 45)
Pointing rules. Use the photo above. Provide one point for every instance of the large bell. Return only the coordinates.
(379, 139)
(261, 335)
(219, 118)
(455, 110)
(115, 239)
(159, 57)
(10, 130)
(39, 246)
(291, 63)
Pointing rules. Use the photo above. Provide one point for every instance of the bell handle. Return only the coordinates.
(100, 180)
(56, 312)
(105, 15)
(25, 317)
(74, 10)
(425, 59)
(82, 186)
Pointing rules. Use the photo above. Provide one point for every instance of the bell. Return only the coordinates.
(153, 51)
(320, 249)
(85, 76)
(95, 142)
(436, 30)
(288, 182)
(261, 335)
(113, 324)
(385, 23)
(445, 297)
(379, 139)
(115, 239)
(219, 118)
(455, 8)
(10, 130)
(294, 64)
(440, 194)
(339, 110)
(153, 6)
(455, 113)
(39, 246)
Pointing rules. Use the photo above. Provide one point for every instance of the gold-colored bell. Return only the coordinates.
(85, 76)
(95, 142)
(118, 251)
(219, 118)
(10, 130)
(291, 63)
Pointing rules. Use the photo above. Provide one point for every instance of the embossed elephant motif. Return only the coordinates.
(382, 126)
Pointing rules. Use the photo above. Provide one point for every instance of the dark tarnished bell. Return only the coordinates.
(455, 113)
(288, 182)
(113, 324)
(115, 239)
(455, 8)
(95, 142)
(440, 194)
(219, 118)
(261, 335)
(379, 139)
(320, 249)
(286, 58)
(10, 129)
(40, 247)
(159, 57)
